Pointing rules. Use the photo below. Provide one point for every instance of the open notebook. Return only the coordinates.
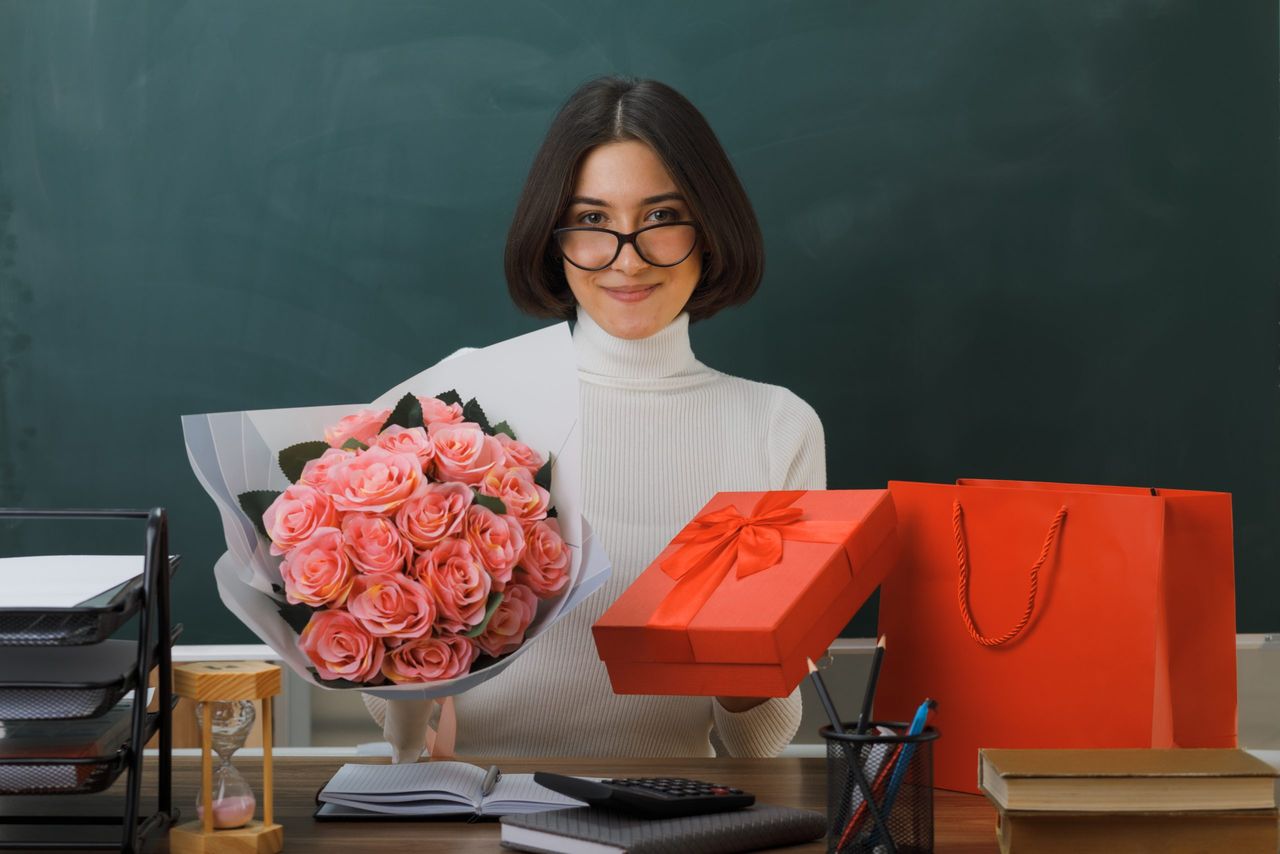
(431, 789)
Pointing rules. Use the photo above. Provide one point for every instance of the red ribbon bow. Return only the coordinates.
(714, 544)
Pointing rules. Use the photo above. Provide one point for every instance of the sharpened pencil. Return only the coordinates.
(864, 716)
(821, 688)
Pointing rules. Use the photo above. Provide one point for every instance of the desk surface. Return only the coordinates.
(963, 824)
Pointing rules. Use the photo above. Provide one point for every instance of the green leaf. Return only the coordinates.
(495, 599)
(543, 477)
(254, 504)
(503, 427)
(297, 616)
(489, 502)
(293, 458)
(408, 414)
(450, 396)
(471, 411)
(552, 514)
(354, 445)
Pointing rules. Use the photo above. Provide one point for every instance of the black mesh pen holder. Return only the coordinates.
(879, 790)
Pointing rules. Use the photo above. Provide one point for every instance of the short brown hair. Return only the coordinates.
(612, 109)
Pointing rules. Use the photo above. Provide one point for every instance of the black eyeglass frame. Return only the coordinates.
(623, 240)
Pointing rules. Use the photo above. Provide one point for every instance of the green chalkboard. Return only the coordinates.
(1026, 240)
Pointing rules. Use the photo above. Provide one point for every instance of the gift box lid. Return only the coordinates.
(762, 617)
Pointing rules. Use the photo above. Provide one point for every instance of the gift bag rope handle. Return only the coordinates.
(962, 558)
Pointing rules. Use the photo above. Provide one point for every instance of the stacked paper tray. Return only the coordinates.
(89, 622)
(44, 683)
(65, 757)
(66, 725)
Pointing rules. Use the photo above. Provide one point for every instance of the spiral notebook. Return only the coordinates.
(583, 830)
(430, 789)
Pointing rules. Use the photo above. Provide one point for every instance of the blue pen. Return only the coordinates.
(900, 771)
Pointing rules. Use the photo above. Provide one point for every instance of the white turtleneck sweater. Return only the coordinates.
(662, 433)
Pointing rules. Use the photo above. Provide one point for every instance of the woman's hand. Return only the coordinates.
(740, 704)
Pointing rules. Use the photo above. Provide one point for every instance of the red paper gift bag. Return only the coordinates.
(1060, 615)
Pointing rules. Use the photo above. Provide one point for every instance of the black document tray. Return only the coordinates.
(42, 683)
(89, 622)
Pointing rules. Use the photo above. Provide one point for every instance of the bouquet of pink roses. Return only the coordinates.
(416, 541)
(417, 547)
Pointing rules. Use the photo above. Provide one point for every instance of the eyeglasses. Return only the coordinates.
(665, 244)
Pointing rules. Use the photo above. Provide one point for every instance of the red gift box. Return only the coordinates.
(754, 585)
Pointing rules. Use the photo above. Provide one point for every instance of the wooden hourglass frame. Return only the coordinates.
(211, 682)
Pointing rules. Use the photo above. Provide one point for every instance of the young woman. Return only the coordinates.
(633, 222)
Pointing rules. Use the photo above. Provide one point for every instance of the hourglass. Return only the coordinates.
(233, 801)
(225, 691)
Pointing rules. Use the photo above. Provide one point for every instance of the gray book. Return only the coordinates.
(585, 830)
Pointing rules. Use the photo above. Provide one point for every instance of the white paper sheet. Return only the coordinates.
(62, 581)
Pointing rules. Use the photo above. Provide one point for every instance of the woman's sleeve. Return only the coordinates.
(797, 446)
(797, 460)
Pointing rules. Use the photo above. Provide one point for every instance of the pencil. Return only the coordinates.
(877, 788)
(821, 688)
(864, 716)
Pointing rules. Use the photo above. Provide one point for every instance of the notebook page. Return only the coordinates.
(355, 783)
(413, 808)
(517, 793)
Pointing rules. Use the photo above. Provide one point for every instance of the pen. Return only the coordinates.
(821, 688)
(491, 778)
(900, 771)
(864, 716)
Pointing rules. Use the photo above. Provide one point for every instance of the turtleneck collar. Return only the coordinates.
(603, 357)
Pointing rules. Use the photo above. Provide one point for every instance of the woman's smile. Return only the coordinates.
(630, 293)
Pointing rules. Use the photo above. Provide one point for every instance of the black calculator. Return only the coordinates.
(649, 797)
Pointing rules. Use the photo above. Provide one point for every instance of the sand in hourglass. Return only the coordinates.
(230, 812)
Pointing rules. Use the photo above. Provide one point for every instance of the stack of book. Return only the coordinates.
(1119, 801)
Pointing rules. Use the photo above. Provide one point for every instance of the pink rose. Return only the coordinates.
(496, 540)
(463, 452)
(392, 606)
(407, 440)
(295, 515)
(523, 498)
(544, 566)
(316, 472)
(317, 571)
(436, 411)
(373, 543)
(458, 581)
(506, 628)
(435, 513)
(340, 647)
(376, 481)
(430, 659)
(519, 455)
(363, 425)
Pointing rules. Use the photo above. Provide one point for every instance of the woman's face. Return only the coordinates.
(623, 186)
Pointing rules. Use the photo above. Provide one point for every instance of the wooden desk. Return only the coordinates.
(963, 824)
